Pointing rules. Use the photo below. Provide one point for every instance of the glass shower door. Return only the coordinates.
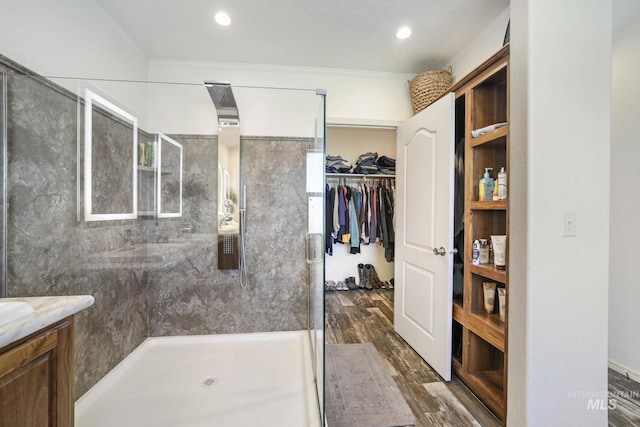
(315, 247)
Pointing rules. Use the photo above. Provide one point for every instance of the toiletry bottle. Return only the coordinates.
(502, 184)
(475, 253)
(148, 153)
(489, 186)
(486, 186)
(482, 187)
(141, 156)
(484, 251)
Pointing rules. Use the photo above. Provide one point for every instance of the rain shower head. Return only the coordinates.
(222, 96)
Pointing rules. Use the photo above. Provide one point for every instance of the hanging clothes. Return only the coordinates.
(373, 221)
(345, 222)
(353, 222)
(389, 245)
(361, 214)
(328, 220)
(364, 215)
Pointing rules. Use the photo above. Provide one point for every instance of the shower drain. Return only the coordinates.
(209, 382)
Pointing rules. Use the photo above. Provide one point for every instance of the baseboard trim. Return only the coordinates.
(635, 376)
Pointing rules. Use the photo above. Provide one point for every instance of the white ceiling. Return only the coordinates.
(347, 34)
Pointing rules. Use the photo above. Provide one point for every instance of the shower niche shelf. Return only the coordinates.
(146, 191)
(160, 188)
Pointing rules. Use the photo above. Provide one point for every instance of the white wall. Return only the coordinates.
(73, 38)
(352, 97)
(485, 44)
(560, 145)
(624, 292)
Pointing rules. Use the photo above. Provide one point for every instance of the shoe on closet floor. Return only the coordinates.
(373, 276)
(361, 283)
(351, 283)
(329, 286)
(366, 277)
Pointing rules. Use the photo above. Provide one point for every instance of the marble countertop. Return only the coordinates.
(47, 311)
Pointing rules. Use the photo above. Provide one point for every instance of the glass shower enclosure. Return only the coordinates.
(112, 189)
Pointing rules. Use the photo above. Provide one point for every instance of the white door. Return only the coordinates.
(424, 223)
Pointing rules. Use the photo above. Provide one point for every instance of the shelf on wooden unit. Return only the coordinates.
(456, 363)
(493, 205)
(459, 314)
(491, 385)
(489, 327)
(489, 271)
(491, 137)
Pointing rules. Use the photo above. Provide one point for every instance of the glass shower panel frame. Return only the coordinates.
(316, 196)
(3, 162)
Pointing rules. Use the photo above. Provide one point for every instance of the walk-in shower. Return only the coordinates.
(149, 252)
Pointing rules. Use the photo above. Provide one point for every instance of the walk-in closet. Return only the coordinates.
(373, 185)
(354, 315)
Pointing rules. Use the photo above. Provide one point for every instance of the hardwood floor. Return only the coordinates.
(361, 316)
(624, 401)
(367, 316)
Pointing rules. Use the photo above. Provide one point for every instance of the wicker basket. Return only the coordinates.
(428, 86)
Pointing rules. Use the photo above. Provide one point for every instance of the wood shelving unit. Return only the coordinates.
(482, 99)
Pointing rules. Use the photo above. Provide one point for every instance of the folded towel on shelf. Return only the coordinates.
(477, 132)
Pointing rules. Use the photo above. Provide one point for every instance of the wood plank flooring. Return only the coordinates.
(624, 401)
(367, 316)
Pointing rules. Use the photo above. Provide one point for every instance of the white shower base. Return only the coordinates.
(250, 380)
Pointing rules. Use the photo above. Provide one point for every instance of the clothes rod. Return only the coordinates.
(359, 175)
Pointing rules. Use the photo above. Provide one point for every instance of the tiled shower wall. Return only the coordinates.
(276, 297)
(53, 252)
(48, 249)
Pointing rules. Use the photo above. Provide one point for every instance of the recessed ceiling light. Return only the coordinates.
(223, 18)
(403, 33)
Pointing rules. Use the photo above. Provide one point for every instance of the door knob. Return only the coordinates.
(442, 251)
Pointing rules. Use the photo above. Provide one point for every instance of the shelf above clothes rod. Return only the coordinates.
(359, 175)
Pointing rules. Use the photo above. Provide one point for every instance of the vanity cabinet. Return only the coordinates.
(36, 379)
(480, 338)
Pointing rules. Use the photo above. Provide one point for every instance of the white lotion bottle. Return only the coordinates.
(502, 184)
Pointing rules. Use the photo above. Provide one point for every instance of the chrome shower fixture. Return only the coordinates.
(222, 96)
